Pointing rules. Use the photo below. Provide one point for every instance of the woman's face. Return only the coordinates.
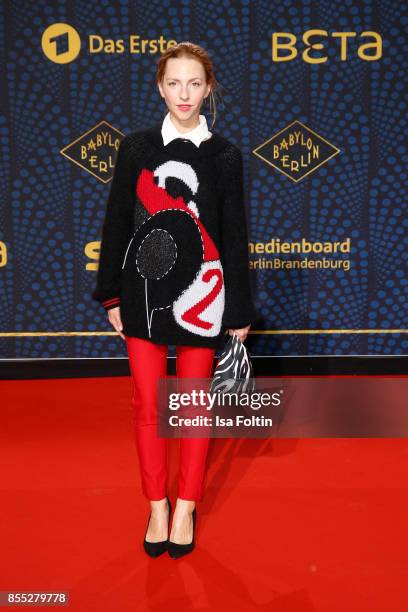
(184, 84)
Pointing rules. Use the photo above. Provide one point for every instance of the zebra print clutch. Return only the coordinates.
(234, 372)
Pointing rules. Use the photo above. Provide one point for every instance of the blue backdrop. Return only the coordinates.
(322, 129)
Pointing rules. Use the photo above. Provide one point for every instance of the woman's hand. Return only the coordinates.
(116, 321)
(241, 333)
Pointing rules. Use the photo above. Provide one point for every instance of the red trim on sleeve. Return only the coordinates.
(111, 301)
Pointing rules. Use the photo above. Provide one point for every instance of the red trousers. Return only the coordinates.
(148, 362)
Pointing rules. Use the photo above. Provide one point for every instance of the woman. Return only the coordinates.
(173, 269)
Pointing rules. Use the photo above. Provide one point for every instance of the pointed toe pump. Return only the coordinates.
(179, 550)
(155, 549)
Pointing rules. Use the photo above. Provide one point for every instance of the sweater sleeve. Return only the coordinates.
(116, 231)
(239, 308)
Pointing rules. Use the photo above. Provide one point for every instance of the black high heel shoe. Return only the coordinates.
(155, 549)
(179, 550)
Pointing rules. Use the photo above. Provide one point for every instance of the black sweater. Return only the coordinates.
(174, 250)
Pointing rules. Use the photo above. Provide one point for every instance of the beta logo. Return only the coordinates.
(60, 43)
(316, 44)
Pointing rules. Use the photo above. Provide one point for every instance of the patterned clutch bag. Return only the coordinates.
(233, 372)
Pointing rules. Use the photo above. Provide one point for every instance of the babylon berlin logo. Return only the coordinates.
(296, 151)
(95, 151)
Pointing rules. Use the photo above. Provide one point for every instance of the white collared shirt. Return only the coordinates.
(196, 135)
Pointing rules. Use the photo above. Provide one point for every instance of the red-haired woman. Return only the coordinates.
(173, 269)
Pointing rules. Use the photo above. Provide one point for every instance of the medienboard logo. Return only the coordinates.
(95, 151)
(296, 151)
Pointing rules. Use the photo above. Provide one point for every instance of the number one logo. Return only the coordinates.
(60, 43)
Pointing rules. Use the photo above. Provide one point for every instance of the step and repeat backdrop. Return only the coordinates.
(313, 93)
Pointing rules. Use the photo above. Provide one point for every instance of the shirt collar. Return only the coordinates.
(196, 135)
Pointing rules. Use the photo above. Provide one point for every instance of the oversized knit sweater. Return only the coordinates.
(174, 249)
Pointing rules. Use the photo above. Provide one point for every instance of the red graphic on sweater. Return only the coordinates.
(192, 314)
(155, 198)
(206, 298)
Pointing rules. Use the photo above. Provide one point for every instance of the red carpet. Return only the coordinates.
(285, 525)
